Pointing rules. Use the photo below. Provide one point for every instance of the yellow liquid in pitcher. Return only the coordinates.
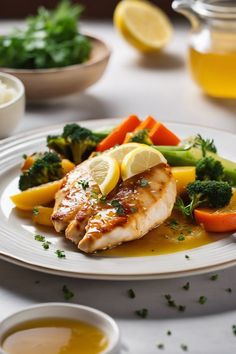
(215, 72)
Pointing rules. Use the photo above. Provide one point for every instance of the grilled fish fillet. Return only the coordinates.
(141, 203)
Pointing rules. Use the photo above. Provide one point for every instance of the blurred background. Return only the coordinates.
(94, 9)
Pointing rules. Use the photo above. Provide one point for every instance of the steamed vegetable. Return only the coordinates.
(46, 168)
(209, 169)
(161, 135)
(140, 134)
(50, 39)
(75, 143)
(189, 156)
(117, 136)
(212, 194)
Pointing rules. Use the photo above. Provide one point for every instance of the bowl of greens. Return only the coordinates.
(50, 54)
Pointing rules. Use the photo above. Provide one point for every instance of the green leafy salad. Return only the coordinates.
(50, 39)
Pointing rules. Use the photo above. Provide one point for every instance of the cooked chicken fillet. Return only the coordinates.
(135, 207)
(73, 199)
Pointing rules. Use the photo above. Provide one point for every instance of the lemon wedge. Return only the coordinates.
(118, 153)
(105, 171)
(143, 25)
(140, 160)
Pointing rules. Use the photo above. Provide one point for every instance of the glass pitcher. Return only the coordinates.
(212, 49)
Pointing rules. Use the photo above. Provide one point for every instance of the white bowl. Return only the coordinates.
(12, 111)
(67, 311)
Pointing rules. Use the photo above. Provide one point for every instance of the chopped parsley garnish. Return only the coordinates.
(39, 238)
(184, 347)
(169, 333)
(60, 254)
(24, 156)
(160, 346)
(181, 308)
(187, 257)
(234, 329)
(67, 293)
(214, 277)
(186, 286)
(228, 290)
(143, 313)
(173, 223)
(143, 182)
(84, 184)
(170, 301)
(181, 238)
(35, 211)
(118, 206)
(131, 294)
(133, 210)
(202, 300)
(103, 199)
(46, 245)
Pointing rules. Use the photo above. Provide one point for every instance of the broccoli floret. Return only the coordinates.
(76, 143)
(212, 194)
(209, 169)
(141, 137)
(46, 168)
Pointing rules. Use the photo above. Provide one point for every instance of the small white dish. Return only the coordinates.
(67, 311)
(12, 111)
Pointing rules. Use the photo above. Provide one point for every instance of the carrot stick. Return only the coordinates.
(148, 123)
(160, 135)
(118, 134)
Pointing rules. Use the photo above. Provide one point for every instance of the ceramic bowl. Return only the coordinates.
(44, 84)
(67, 311)
(13, 111)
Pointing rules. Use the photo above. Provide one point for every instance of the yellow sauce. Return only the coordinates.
(214, 72)
(175, 234)
(55, 336)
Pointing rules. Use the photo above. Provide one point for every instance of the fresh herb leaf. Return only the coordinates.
(35, 211)
(143, 313)
(60, 254)
(205, 144)
(234, 329)
(68, 294)
(228, 290)
(186, 286)
(84, 184)
(202, 300)
(160, 346)
(143, 182)
(214, 277)
(184, 347)
(118, 207)
(181, 238)
(39, 238)
(173, 223)
(46, 245)
(131, 294)
(170, 301)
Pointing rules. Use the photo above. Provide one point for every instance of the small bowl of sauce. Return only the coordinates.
(57, 328)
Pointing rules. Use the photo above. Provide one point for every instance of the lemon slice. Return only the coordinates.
(105, 171)
(143, 25)
(118, 153)
(140, 160)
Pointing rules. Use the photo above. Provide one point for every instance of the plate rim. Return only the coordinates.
(38, 132)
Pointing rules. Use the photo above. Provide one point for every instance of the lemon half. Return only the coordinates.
(143, 25)
(105, 171)
(140, 160)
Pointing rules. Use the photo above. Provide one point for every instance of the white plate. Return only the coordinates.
(17, 244)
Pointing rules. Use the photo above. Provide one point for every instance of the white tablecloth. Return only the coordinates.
(163, 88)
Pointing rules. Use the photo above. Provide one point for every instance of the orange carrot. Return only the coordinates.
(160, 135)
(118, 134)
(148, 123)
(220, 220)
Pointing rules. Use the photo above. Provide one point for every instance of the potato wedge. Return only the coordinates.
(42, 215)
(40, 195)
(67, 165)
(183, 176)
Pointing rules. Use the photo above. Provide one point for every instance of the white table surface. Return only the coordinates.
(163, 88)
